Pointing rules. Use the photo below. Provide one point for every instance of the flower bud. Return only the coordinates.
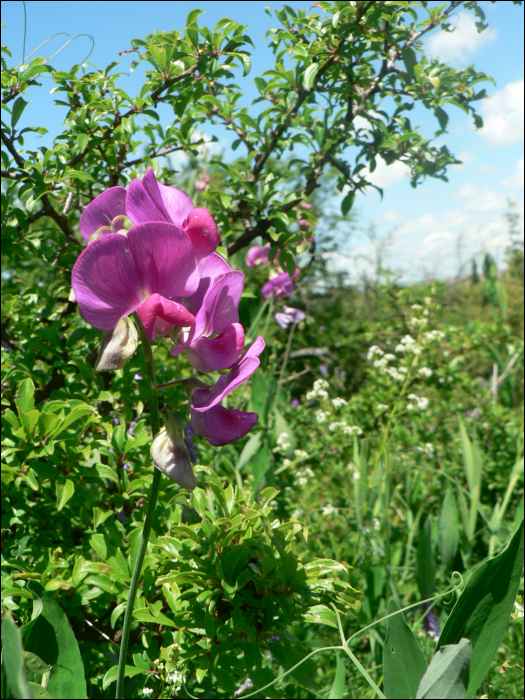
(171, 456)
(117, 346)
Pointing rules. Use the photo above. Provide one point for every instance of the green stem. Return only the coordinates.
(152, 501)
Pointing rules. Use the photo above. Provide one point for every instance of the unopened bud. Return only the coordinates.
(117, 346)
(171, 456)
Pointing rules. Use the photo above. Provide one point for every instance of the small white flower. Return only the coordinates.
(338, 402)
(377, 524)
(416, 307)
(300, 454)
(336, 424)
(382, 407)
(373, 351)
(381, 363)
(329, 509)
(351, 430)
(356, 476)
(425, 372)
(320, 384)
(302, 481)
(286, 462)
(390, 357)
(320, 416)
(146, 692)
(297, 513)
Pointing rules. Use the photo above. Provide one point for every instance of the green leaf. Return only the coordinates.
(26, 391)
(347, 203)
(111, 675)
(64, 493)
(18, 107)
(482, 611)
(39, 692)
(403, 661)
(248, 451)
(75, 414)
(35, 664)
(322, 615)
(448, 529)
(13, 659)
(193, 15)
(309, 75)
(49, 636)
(447, 675)
(409, 59)
(338, 686)
(82, 142)
(425, 562)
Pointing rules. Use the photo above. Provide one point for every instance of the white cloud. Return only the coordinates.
(503, 115)
(515, 181)
(451, 46)
(386, 175)
(485, 169)
(390, 216)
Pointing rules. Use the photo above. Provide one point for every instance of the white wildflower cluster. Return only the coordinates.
(300, 454)
(431, 336)
(382, 407)
(397, 373)
(336, 425)
(303, 475)
(408, 344)
(297, 513)
(352, 429)
(376, 523)
(426, 449)
(282, 444)
(416, 307)
(425, 372)
(318, 391)
(338, 402)
(147, 692)
(320, 416)
(374, 351)
(176, 680)
(518, 609)
(329, 510)
(418, 403)
(415, 321)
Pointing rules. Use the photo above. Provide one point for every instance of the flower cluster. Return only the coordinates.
(151, 251)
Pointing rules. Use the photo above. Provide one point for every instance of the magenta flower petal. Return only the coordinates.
(176, 203)
(210, 354)
(148, 200)
(159, 315)
(222, 301)
(202, 231)
(257, 255)
(244, 367)
(222, 425)
(106, 282)
(281, 286)
(164, 259)
(102, 210)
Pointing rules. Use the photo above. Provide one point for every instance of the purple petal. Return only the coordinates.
(204, 399)
(176, 203)
(102, 210)
(280, 286)
(283, 319)
(106, 283)
(150, 201)
(160, 315)
(222, 425)
(202, 231)
(222, 302)
(164, 258)
(210, 354)
(140, 207)
(257, 255)
(296, 314)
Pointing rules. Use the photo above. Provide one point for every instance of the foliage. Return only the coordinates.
(389, 449)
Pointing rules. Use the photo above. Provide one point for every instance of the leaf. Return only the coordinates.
(76, 413)
(447, 675)
(112, 674)
(409, 59)
(448, 529)
(26, 391)
(82, 142)
(322, 615)
(403, 661)
(249, 450)
(442, 117)
(347, 203)
(193, 15)
(39, 692)
(309, 75)
(18, 107)
(425, 562)
(338, 686)
(35, 664)
(64, 493)
(482, 611)
(13, 659)
(49, 636)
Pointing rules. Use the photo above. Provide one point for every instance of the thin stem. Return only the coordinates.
(364, 673)
(152, 501)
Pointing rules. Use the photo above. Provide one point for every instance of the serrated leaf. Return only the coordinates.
(309, 75)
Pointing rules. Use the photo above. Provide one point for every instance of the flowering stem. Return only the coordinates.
(152, 501)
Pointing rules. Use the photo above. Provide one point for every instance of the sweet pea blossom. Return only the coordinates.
(257, 255)
(116, 275)
(214, 306)
(280, 286)
(289, 315)
(218, 424)
(146, 201)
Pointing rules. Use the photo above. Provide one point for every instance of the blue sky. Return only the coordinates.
(430, 231)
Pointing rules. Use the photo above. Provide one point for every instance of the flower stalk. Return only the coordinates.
(152, 501)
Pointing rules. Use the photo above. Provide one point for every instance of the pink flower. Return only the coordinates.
(211, 420)
(146, 201)
(116, 275)
(303, 224)
(214, 306)
(280, 286)
(289, 315)
(257, 255)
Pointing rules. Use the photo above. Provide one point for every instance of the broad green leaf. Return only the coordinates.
(39, 692)
(82, 142)
(13, 659)
(309, 75)
(447, 675)
(112, 674)
(347, 203)
(49, 636)
(409, 59)
(75, 414)
(18, 107)
(448, 530)
(338, 686)
(35, 664)
(259, 466)
(64, 493)
(482, 611)
(322, 615)
(26, 391)
(249, 450)
(425, 562)
(403, 661)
